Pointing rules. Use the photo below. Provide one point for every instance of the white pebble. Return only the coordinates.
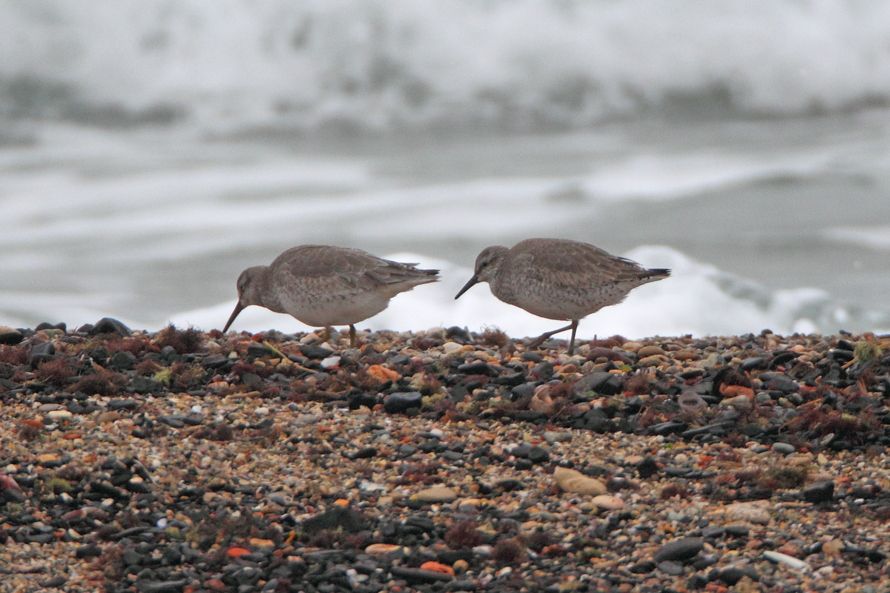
(450, 347)
(369, 486)
(330, 362)
(786, 559)
(825, 572)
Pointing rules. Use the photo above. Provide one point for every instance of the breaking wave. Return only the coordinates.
(234, 65)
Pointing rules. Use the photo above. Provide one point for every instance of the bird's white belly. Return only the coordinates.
(336, 309)
(560, 305)
(551, 310)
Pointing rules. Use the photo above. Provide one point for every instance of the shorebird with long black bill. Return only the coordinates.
(558, 279)
(323, 286)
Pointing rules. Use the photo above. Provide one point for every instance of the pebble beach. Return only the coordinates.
(183, 461)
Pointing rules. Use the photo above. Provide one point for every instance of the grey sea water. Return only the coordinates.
(150, 151)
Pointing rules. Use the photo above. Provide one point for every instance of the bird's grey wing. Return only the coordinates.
(388, 272)
(580, 263)
(344, 270)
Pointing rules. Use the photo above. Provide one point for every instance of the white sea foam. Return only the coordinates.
(871, 236)
(204, 207)
(697, 299)
(231, 64)
(668, 176)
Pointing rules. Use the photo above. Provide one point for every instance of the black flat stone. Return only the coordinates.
(754, 362)
(476, 368)
(665, 428)
(108, 325)
(670, 567)
(779, 382)
(123, 404)
(258, 350)
(819, 492)
(733, 574)
(538, 454)
(510, 379)
(509, 484)
(215, 361)
(313, 351)
(841, 355)
(402, 401)
(363, 453)
(175, 421)
(11, 338)
(161, 586)
(680, 550)
(88, 551)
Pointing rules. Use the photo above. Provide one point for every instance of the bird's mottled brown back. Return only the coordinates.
(309, 280)
(562, 279)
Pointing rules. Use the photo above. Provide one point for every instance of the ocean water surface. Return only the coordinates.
(149, 151)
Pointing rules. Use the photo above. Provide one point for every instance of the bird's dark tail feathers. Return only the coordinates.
(657, 273)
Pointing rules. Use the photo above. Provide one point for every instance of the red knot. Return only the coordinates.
(558, 279)
(323, 286)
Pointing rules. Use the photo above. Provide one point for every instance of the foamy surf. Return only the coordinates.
(413, 63)
(875, 237)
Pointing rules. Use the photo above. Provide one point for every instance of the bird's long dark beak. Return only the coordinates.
(238, 308)
(467, 286)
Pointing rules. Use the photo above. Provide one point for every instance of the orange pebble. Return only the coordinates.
(341, 502)
(383, 374)
(437, 567)
(237, 552)
(734, 390)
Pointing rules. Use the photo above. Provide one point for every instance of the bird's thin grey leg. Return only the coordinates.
(351, 336)
(572, 341)
(547, 335)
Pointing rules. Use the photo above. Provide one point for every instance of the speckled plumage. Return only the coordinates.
(323, 285)
(559, 278)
